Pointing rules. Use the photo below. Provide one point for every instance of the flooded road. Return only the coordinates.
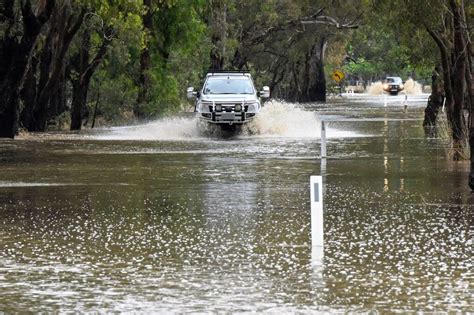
(168, 217)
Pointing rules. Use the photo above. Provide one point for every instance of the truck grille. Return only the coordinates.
(225, 107)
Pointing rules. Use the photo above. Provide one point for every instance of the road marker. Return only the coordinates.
(317, 224)
(323, 139)
(316, 195)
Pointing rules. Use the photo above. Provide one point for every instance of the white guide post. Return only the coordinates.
(317, 223)
(323, 166)
(323, 139)
(404, 103)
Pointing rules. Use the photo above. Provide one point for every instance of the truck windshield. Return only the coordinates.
(228, 86)
(394, 80)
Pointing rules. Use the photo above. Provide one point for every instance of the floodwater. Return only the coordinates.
(173, 217)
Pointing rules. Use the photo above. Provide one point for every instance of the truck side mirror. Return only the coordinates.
(190, 92)
(265, 92)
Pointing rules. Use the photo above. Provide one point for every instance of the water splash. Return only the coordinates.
(177, 128)
(375, 88)
(279, 118)
(412, 87)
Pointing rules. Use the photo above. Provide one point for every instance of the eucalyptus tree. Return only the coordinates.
(378, 48)
(174, 36)
(449, 24)
(22, 23)
(105, 22)
(286, 42)
(145, 59)
(217, 14)
(43, 92)
(37, 61)
(113, 89)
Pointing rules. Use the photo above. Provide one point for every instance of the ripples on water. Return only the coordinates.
(173, 255)
(185, 223)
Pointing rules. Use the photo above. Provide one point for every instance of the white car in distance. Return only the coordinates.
(393, 85)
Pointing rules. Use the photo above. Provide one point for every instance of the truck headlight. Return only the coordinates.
(238, 108)
(218, 108)
(253, 107)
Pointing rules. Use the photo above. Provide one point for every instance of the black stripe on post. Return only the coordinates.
(316, 192)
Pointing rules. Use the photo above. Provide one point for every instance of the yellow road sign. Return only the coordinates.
(337, 76)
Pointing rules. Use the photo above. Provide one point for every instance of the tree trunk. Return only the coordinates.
(435, 101)
(453, 112)
(57, 102)
(238, 62)
(9, 114)
(305, 84)
(471, 144)
(278, 75)
(218, 36)
(85, 69)
(79, 101)
(315, 80)
(28, 95)
(80, 63)
(15, 58)
(471, 118)
(459, 83)
(470, 98)
(96, 107)
(44, 70)
(62, 31)
(296, 90)
(145, 63)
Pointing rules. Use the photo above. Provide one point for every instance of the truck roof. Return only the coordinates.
(227, 73)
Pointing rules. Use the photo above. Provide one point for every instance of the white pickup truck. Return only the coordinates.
(228, 98)
(393, 85)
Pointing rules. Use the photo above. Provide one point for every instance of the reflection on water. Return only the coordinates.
(222, 225)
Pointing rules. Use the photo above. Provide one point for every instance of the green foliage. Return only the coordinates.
(179, 49)
(180, 52)
(363, 69)
(387, 44)
(114, 82)
(116, 96)
(264, 36)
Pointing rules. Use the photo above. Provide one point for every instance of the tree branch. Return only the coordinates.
(107, 39)
(292, 24)
(328, 20)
